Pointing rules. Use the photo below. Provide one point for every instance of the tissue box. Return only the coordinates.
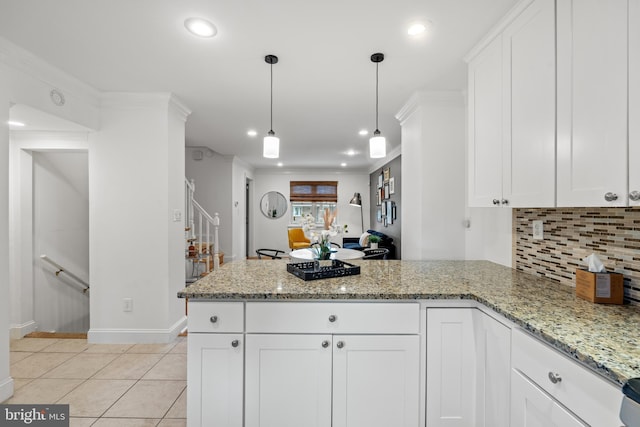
(602, 288)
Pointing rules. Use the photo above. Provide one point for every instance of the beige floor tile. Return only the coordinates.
(37, 364)
(170, 367)
(93, 397)
(152, 348)
(16, 356)
(179, 409)
(81, 422)
(128, 367)
(126, 422)
(82, 365)
(18, 383)
(31, 344)
(172, 423)
(181, 347)
(108, 348)
(67, 346)
(147, 399)
(43, 391)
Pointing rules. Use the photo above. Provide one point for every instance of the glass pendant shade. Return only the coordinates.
(377, 146)
(271, 146)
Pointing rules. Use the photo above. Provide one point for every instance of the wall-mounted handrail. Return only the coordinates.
(68, 273)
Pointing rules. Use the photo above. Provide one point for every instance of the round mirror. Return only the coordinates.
(273, 205)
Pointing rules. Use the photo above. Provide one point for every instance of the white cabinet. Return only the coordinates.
(468, 369)
(215, 380)
(532, 407)
(512, 113)
(592, 44)
(634, 102)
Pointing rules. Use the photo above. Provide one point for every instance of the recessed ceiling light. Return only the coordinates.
(363, 132)
(280, 164)
(416, 29)
(200, 27)
(351, 153)
(252, 132)
(343, 164)
(14, 123)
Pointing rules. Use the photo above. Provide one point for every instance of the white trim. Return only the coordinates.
(137, 336)
(390, 156)
(19, 331)
(6, 389)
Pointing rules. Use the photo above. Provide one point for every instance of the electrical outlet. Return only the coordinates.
(538, 230)
(127, 304)
(177, 215)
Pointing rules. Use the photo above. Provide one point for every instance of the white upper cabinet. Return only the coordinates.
(592, 46)
(634, 103)
(529, 135)
(512, 113)
(485, 126)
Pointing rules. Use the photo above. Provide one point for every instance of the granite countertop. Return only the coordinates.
(605, 338)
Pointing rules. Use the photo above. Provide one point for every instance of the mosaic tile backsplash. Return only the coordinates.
(571, 234)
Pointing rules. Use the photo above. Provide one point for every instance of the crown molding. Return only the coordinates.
(397, 151)
(418, 99)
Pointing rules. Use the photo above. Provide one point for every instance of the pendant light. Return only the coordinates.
(271, 145)
(377, 143)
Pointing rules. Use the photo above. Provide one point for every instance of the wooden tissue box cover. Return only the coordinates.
(602, 288)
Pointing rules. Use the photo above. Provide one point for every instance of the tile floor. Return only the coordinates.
(104, 384)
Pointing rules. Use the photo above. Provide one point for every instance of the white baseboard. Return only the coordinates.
(6, 389)
(19, 331)
(136, 336)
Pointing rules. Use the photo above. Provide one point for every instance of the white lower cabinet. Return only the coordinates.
(214, 379)
(323, 380)
(532, 407)
(468, 368)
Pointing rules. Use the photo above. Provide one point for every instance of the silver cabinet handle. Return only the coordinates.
(634, 196)
(610, 197)
(496, 202)
(504, 201)
(554, 378)
(340, 344)
(333, 318)
(235, 343)
(325, 344)
(213, 319)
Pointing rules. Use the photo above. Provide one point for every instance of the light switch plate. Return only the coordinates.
(538, 230)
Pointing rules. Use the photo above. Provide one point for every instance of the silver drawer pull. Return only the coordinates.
(325, 344)
(610, 197)
(496, 202)
(340, 344)
(333, 318)
(634, 196)
(235, 343)
(213, 319)
(504, 202)
(554, 378)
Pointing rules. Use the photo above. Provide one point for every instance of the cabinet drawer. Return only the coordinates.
(583, 392)
(205, 316)
(344, 318)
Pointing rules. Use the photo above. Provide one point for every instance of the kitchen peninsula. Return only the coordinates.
(266, 336)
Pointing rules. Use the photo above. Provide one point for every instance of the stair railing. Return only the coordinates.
(199, 225)
(61, 269)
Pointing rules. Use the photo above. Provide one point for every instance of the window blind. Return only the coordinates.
(313, 191)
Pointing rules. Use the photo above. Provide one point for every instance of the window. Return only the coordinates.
(312, 197)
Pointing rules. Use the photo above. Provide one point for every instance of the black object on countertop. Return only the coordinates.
(313, 271)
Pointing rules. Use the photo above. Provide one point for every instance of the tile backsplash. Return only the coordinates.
(571, 234)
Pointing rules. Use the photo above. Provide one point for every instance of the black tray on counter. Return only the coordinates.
(313, 270)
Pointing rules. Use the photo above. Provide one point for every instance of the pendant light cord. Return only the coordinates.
(271, 109)
(377, 96)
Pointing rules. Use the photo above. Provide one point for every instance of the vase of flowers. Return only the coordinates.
(321, 239)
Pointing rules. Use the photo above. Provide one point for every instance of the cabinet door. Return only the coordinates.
(634, 102)
(214, 375)
(288, 380)
(532, 407)
(376, 381)
(451, 367)
(493, 350)
(592, 102)
(529, 142)
(485, 126)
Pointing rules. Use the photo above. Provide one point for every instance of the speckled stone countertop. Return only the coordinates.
(606, 338)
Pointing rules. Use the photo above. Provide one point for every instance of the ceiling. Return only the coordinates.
(324, 83)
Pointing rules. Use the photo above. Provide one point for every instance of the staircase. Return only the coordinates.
(201, 236)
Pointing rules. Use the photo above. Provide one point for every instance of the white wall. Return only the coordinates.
(241, 173)
(135, 169)
(61, 231)
(433, 176)
(6, 382)
(272, 233)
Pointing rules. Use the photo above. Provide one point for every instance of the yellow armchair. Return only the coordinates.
(297, 239)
